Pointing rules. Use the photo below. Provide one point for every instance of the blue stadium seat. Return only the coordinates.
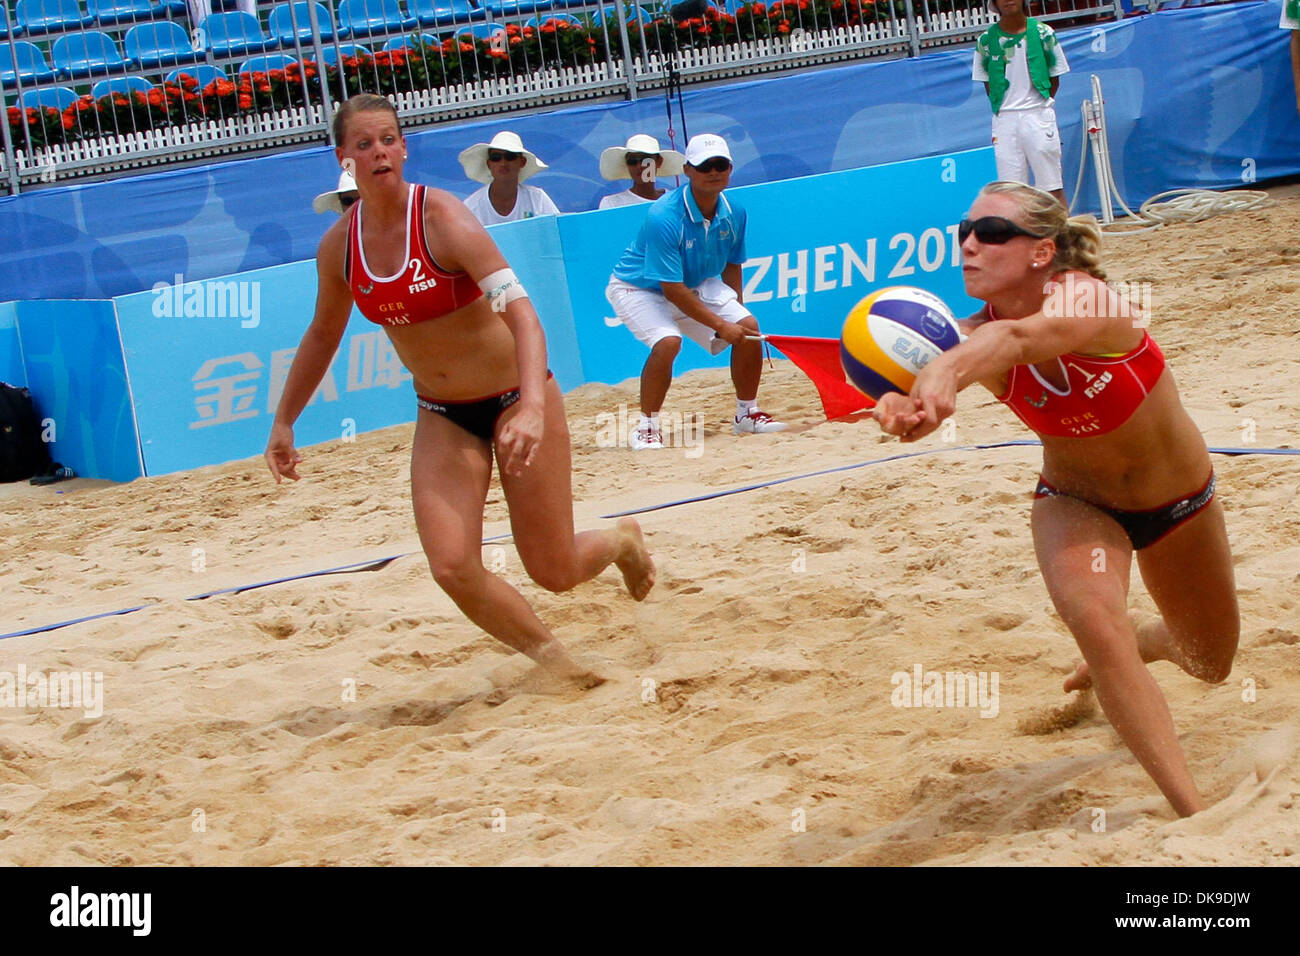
(106, 12)
(481, 31)
(125, 85)
(234, 34)
(4, 22)
(54, 97)
(446, 13)
(155, 45)
(202, 72)
(345, 49)
(633, 14)
(539, 20)
(79, 55)
(403, 42)
(510, 8)
(363, 18)
(281, 23)
(49, 16)
(30, 61)
(267, 63)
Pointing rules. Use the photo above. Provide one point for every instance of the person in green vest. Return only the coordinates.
(1020, 64)
(1291, 21)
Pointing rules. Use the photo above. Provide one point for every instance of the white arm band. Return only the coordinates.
(501, 288)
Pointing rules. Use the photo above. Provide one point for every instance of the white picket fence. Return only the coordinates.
(207, 139)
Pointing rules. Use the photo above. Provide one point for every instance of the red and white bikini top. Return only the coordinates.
(422, 291)
(1101, 391)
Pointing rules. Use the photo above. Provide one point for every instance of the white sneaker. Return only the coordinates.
(644, 439)
(757, 423)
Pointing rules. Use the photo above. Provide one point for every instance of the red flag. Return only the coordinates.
(820, 361)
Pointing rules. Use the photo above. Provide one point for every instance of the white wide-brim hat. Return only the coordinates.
(612, 165)
(332, 201)
(474, 159)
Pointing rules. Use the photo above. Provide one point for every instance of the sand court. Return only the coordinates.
(753, 711)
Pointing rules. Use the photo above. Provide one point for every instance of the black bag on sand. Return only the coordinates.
(22, 453)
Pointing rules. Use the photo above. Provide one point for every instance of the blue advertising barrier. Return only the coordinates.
(816, 246)
(208, 360)
(74, 366)
(1195, 97)
(11, 348)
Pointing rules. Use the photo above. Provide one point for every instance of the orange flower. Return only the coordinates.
(783, 26)
(245, 102)
(69, 120)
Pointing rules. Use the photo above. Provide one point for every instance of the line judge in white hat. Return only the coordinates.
(680, 278)
(340, 199)
(642, 161)
(503, 165)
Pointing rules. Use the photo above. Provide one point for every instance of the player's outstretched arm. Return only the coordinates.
(310, 362)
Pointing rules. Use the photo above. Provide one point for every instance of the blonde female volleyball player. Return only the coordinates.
(1125, 470)
(416, 262)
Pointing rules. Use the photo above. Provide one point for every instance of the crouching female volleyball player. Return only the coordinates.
(1125, 470)
(416, 262)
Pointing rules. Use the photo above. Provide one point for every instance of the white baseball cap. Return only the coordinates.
(705, 146)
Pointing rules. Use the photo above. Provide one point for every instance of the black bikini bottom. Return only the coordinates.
(1144, 528)
(478, 416)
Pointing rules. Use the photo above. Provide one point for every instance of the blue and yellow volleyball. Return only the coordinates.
(890, 335)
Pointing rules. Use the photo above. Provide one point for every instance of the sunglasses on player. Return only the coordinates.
(497, 155)
(993, 230)
(636, 159)
(718, 164)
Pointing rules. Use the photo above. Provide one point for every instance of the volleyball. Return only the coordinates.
(890, 335)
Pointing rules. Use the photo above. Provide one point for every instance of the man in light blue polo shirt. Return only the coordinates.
(681, 276)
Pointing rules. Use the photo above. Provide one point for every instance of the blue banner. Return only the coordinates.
(11, 348)
(1195, 97)
(75, 369)
(208, 358)
(816, 247)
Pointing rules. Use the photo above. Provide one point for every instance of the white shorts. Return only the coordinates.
(651, 317)
(1025, 140)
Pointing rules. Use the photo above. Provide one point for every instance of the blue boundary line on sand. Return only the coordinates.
(380, 563)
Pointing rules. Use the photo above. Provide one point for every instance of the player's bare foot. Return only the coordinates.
(634, 560)
(558, 667)
(1153, 642)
